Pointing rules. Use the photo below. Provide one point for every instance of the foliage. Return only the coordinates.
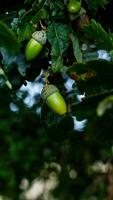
(36, 143)
(94, 30)
(95, 4)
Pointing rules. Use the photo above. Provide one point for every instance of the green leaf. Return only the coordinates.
(96, 3)
(62, 126)
(58, 37)
(76, 48)
(97, 33)
(28, 1)
(90, 56)
(4, 79)
(25, 27)
(98, 85)
(94, 77)
(57, 11)
(37, 16)
(12, 61)
(85, 109)
(14, 24)
(8, 39)
(90, 105)
(57, 64)
(57, 5)
(25, 32)
(105, 104)
(28, 22)
(99, 66)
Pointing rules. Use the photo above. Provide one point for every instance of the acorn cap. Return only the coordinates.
(48, 90)
(40, 36)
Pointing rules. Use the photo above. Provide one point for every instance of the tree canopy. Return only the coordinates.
(74, 52)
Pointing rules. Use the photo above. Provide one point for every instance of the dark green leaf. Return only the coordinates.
(37, 16)
(95, 4)
(76, 48)
(97, 33)
(58, 37)
(4, 80)
(57, 11)
(57, 64)
(26, 28)
(12, 61)
(105, 105)
(98, 85)
(8, 39)
(29, 20)
(61, 128)
(100, 66)
(86, 109)
(94, 77)
(25, 32)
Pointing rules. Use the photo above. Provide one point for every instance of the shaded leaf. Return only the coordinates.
(28, 22)
(95, 4)
(100, 66)
(12, 61)
(37, 16)
(76, 48)
(25, 32)
(8, 39)
(89, 56)
(96, 86)
(94, 77)
(57, 64)
(105, 104)
(84, 110)
(97, 33)
(87, 108)
(25, 28)
(4, 80)
(58, 37)
(57, 11)
(59, 130)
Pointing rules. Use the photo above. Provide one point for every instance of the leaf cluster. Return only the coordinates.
(36, 142)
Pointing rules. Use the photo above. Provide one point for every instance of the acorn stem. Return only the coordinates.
(42, 26)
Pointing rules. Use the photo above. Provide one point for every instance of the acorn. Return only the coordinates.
(35, 44)
(74, 6)
(50, 93)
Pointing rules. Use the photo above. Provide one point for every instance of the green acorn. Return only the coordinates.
(35, 44)
(50, 93)
(74, 6)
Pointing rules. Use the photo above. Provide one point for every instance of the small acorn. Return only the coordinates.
(50, 93)
(35, 44)
(74, 6)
